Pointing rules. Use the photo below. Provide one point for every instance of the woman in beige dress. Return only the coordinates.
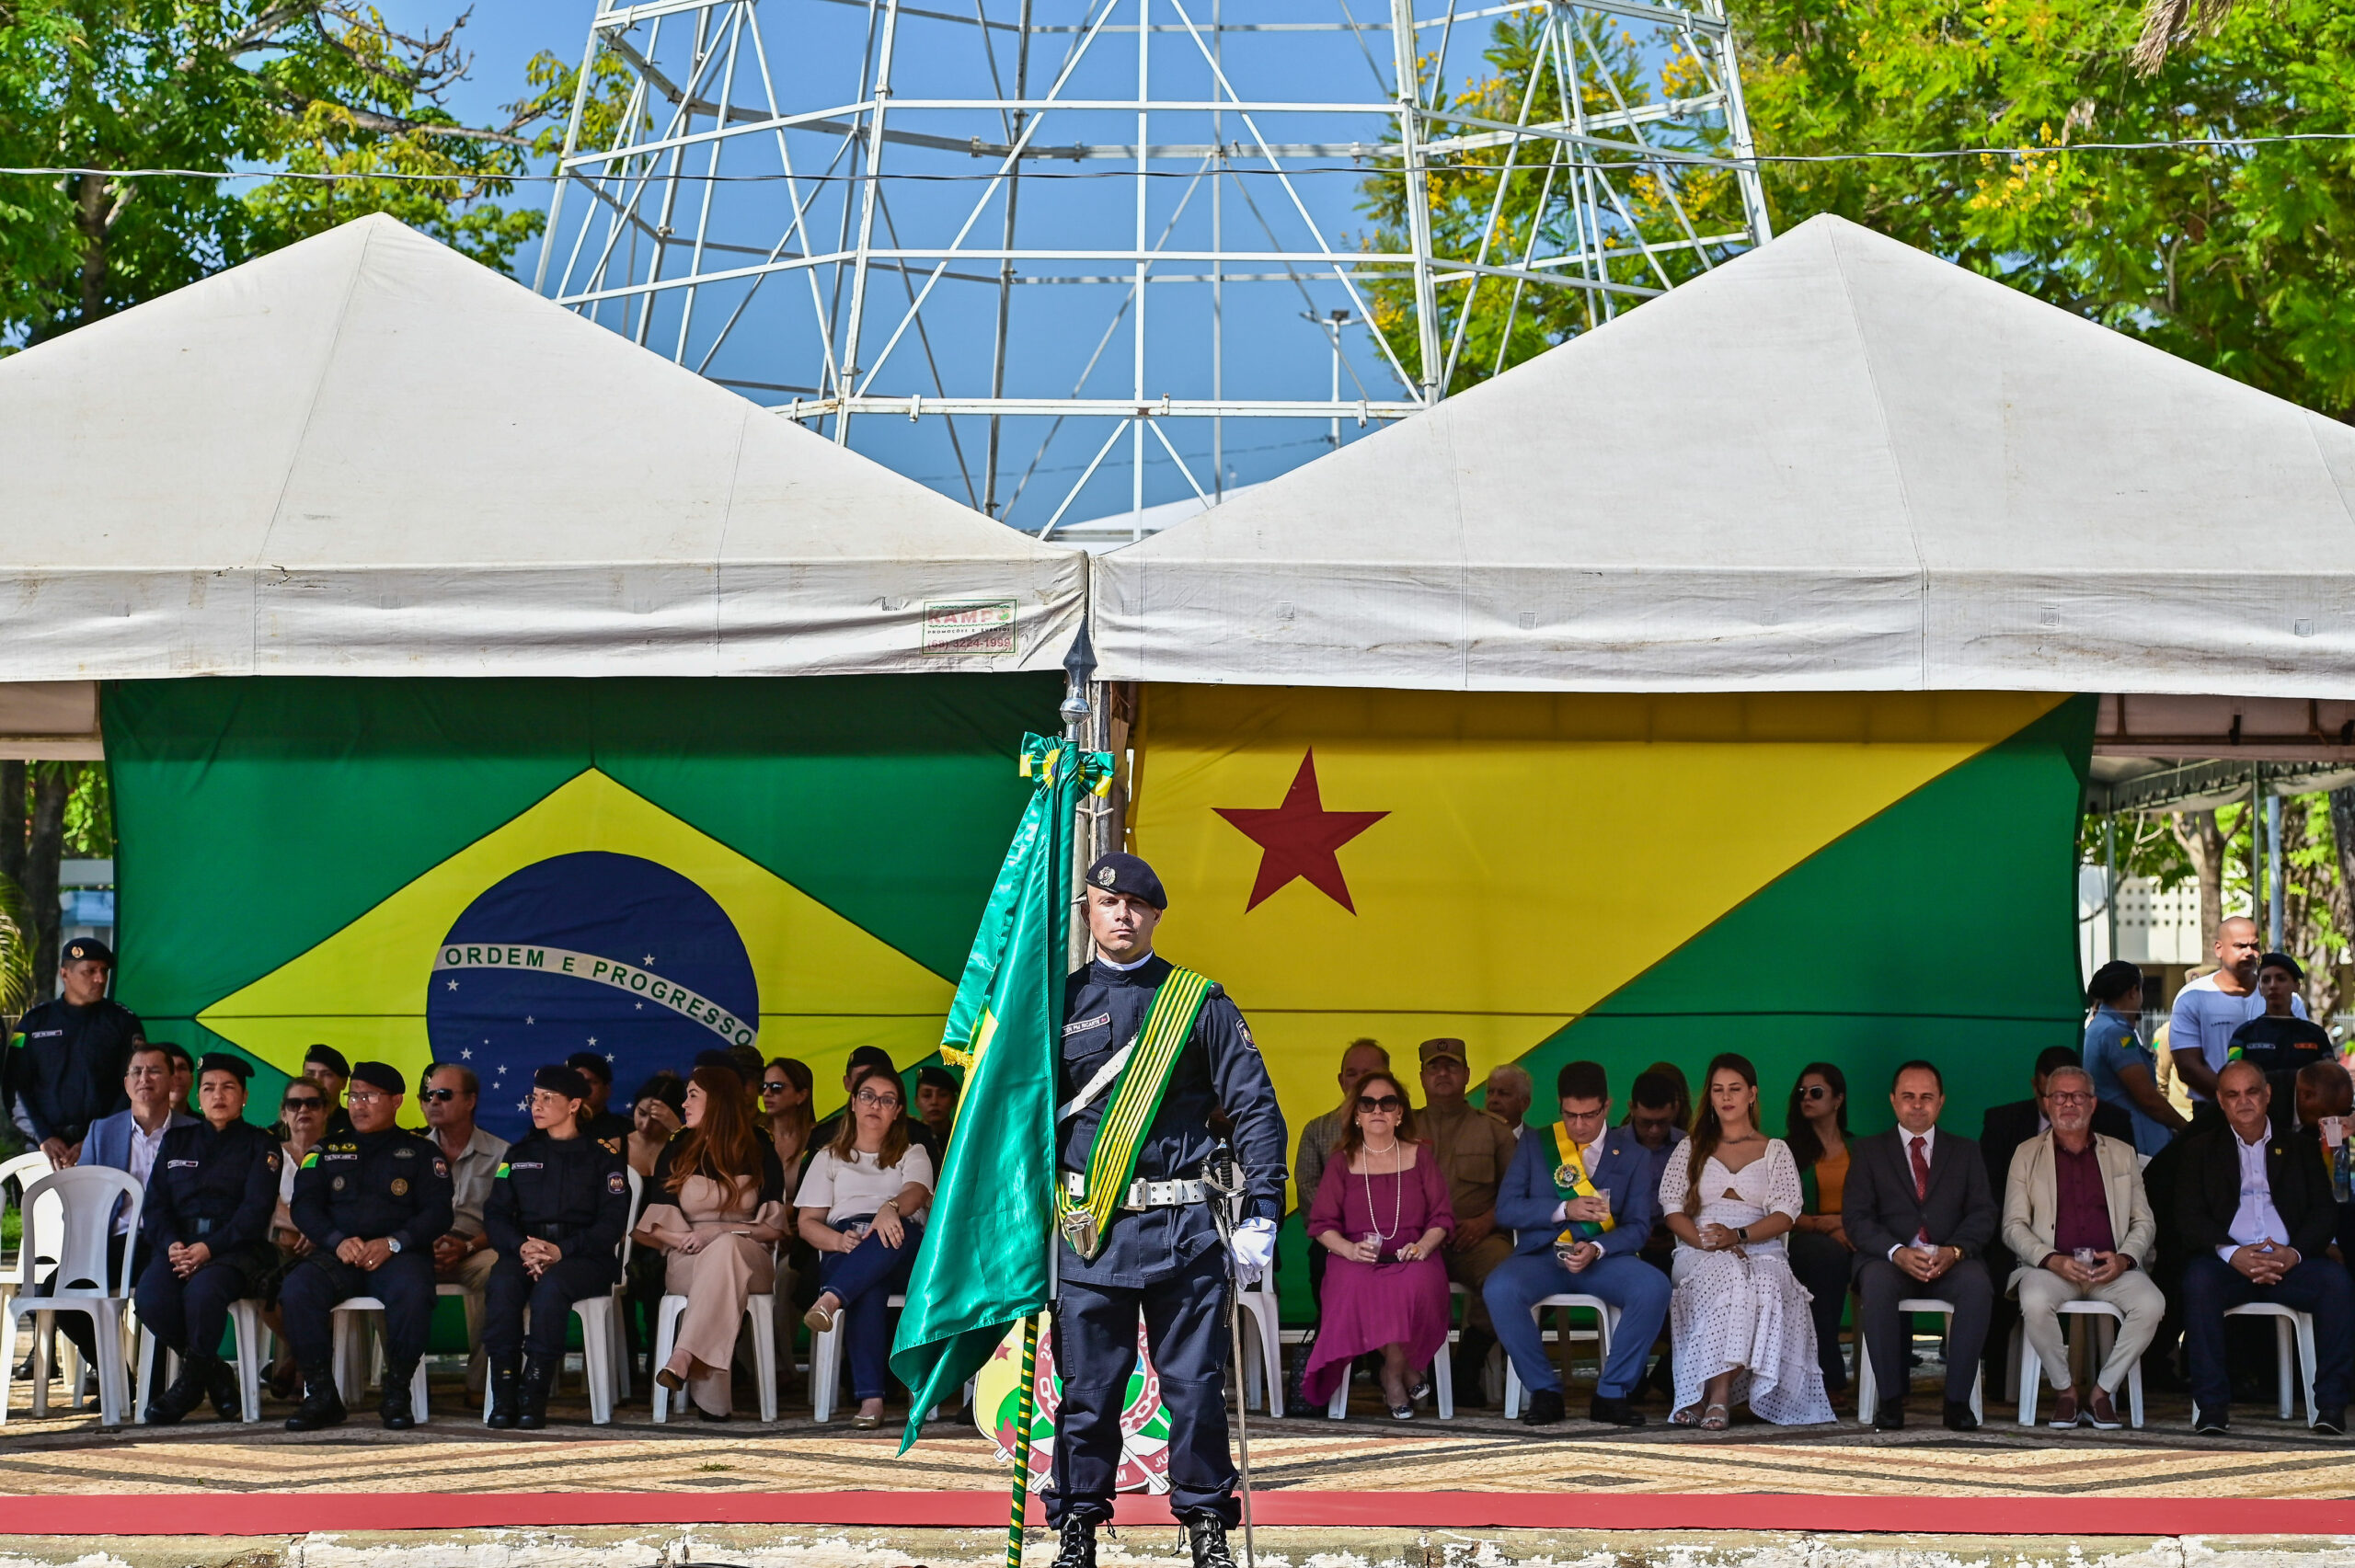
(716, 1210)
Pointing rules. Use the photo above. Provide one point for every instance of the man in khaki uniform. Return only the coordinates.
(1474, 1150)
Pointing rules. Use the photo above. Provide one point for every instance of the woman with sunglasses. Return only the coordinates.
(303, 1112)
(1382, 1211)
(786, 1085)
(862, 1207)
(1738, 1320)
(1815, 1126)
(716, 1210)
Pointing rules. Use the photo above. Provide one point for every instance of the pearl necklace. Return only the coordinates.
(1397, 1193)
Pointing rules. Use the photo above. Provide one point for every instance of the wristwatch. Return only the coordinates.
(393, 1243)
(1742, 1233)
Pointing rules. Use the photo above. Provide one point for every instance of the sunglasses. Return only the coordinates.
(1388, 1103)
(1817, 1092)
(775, 1088)
(305, 1103)
(440, 1094)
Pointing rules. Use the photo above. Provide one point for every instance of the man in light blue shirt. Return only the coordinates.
(2124, 1069)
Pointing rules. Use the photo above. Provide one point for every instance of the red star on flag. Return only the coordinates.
(1300, 839)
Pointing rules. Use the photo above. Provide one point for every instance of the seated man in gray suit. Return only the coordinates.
(1920, 1212)
(126, 1141)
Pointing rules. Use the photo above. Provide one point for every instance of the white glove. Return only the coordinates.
(1254, 1248)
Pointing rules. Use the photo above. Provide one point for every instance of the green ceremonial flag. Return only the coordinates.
(983, 1263)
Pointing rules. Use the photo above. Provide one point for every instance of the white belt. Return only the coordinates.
(1142, 1194)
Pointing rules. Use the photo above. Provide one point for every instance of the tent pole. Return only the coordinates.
(2256, 846)
(2273, 872)
(2110, 894)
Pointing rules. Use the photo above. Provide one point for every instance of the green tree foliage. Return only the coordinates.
(321, 86)
(1498, 207)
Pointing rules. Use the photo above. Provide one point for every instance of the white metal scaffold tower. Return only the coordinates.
(1040, 231)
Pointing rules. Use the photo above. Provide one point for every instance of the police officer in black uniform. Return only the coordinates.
(559, 1205)
(66, 1058)
(1160, 1257)
(371, 1201)
(207, 1221)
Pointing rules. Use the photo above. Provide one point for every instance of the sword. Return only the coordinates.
(1223, 1175)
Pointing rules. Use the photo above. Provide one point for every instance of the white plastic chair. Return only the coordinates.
(2289, 1323)
(87, 1196)
(38, 1231)
(1607, 1324)
(604, 1359)
(2108, 1319)
(1442, 1386)
(247, 1334)
(1869, 1392)
(350, 1355)
(760, 1312)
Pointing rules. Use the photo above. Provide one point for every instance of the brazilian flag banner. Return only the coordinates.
(983, 1263)
(501, 873)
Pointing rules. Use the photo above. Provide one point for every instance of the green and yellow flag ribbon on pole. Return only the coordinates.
(983, 1265)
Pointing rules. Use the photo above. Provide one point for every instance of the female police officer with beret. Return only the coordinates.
(558, 1205)
(207, 1221)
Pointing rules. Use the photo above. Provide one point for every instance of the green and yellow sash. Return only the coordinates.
(1112, 1158)
(1570, 1181)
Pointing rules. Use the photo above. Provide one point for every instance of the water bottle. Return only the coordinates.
(2342, 1171)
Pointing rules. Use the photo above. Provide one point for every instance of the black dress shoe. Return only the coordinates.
(2331, 1421)
(2213, 1422)
(1545, 1408)
(1958, 1416)
(1614, 1412)
(1890, 1416)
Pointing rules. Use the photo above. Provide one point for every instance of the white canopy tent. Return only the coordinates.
(367, 455)
(1834, 463)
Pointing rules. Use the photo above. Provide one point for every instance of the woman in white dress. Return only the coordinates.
(1740, 1316)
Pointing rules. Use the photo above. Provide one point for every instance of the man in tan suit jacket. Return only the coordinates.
(2076, 1218)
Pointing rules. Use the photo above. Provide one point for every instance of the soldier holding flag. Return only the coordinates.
(1150, 1053)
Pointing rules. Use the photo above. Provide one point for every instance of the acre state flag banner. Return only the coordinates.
(502, 873)
(1856, 878)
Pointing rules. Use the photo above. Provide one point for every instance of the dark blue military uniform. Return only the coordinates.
(573, 1192)
(65, 1066)
(218, 1187)
(367, 1185)
(1167, 1264)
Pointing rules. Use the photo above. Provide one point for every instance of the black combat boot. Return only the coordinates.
(1078, 1543)
(395, 1410)
(539, 1376)
(506, 1385)
(1206, 1535)
(228, 1399)
(321, 1406)
(183, 1394)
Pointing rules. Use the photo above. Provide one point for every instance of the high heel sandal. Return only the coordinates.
(1685, 1417)
(1715, 1418)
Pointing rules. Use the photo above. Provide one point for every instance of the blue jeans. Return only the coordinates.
(1627, 1281)
(864, 1279)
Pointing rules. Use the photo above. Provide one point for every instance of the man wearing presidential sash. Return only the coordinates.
(1580, 1197)
(1151, 1052)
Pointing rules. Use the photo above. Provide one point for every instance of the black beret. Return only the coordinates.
(328, 1057)
(592, 1064)
(2281, 961)
(935, 1078)
(378, 1075)
(562, 1078)
(1118, 873)
(89, 947)
(221, 1061)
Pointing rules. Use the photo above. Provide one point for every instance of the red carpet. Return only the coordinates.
(269, 1512)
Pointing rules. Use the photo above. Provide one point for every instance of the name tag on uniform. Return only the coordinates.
(1084, 1025)
(183, 1164)
(525, 1165)
(45, 1034)
(351, 1156)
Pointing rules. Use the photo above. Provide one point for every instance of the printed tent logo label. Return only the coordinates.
(594, 951)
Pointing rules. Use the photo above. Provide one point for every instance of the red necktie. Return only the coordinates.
(1921, 1169)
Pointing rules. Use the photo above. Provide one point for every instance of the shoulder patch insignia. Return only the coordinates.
(502, 1171)
(309, 1160)
(617, 1182)
(441, 1167)
(272, 1158)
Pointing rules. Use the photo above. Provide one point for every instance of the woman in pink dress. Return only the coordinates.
(1382, 1211)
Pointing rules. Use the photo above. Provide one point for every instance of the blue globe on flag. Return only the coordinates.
(588, 952)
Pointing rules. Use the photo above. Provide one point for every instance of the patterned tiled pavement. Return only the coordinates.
(2263, 1458)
